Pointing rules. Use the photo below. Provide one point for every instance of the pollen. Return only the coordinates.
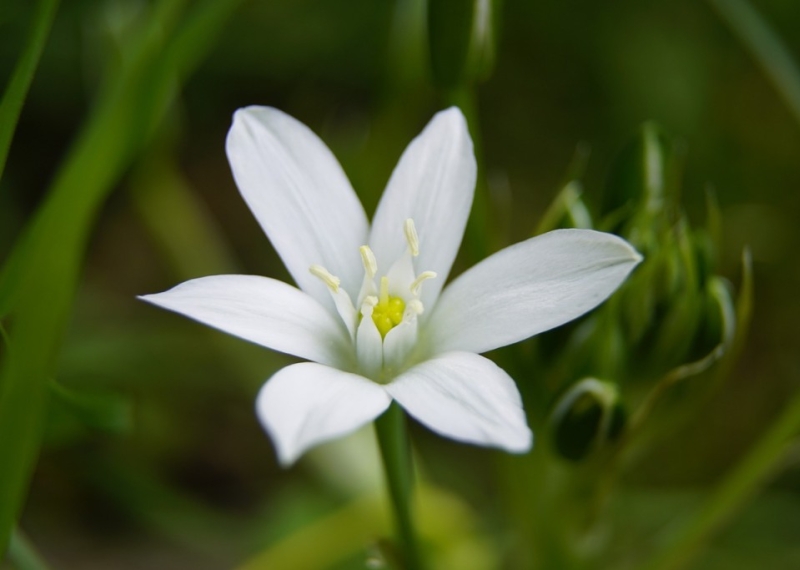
(388, 312)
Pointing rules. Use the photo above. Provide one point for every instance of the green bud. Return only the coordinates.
(635, 196)
(718, 324)
(585, 418)
(461, 36)
(567, 210)
(665, 304)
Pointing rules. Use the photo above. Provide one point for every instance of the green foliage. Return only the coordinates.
(18, 85)
(46, 261)
(461, 38)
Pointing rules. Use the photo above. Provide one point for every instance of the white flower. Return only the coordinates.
(370, 313)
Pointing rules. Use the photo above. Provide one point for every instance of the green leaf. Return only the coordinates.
(765, 46)
(20, 82)
(105, 412)
(38, 282)
(22, 553)
(449, 32)
(462, 37)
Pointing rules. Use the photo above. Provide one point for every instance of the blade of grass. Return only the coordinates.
(20, 82)
(734, 493)
(45, 266)
(23, 554)
(765, 46)
(39, 281)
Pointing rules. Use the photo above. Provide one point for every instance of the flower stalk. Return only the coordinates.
(390, 429)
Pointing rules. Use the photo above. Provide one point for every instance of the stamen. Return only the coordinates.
(411, 237)
(329, 279)
(415, 306)
(368, 259)
(384, 298)
(417, 284)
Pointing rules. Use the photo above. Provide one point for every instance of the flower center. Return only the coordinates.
(388, 313)
(382, 317)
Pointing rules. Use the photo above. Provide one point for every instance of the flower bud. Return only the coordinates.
(634, 198)
(587, 416)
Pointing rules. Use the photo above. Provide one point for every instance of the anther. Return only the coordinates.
(411, 237)
(415, 306)
(323, 274)
(368, 259)
(417, 284)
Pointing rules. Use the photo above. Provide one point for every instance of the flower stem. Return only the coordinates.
(393, 441)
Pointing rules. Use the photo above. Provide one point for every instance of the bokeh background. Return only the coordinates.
(160, 462)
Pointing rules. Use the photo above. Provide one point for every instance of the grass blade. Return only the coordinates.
(38, 282)
(765, 46)
(20, 82)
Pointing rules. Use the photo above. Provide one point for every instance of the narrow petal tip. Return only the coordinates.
(452, 113)
(523, 445)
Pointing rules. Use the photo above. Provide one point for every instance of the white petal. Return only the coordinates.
(401, 276)
(306, 404)
(300, 196)
(529, 288)
(433, 184)
(346, 310)
(264, 311)
(465, 397)
(369, 345)
(398, 344)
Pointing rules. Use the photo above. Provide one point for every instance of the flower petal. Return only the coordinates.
(465, 397)
(264, 311)
(397, 345)
(529, 288)
(300, 195)
(433, 184)
(306, 404)
(369, 345)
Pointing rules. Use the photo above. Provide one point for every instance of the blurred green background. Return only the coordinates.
(159, 461)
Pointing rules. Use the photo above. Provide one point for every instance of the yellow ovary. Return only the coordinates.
(388, 313)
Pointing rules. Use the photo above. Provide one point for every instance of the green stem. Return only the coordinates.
(762, 461)
(393, 441)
